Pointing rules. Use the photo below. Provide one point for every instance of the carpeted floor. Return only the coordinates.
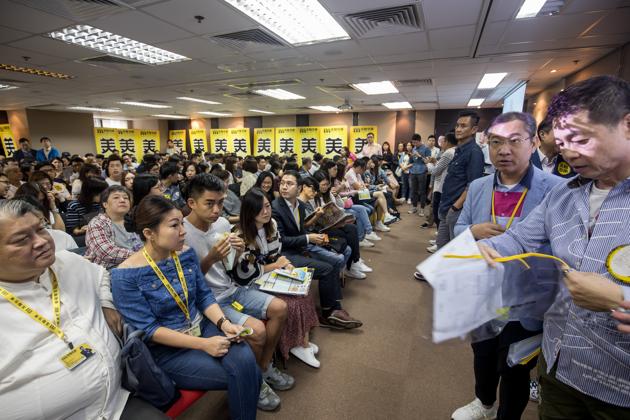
(389, 369)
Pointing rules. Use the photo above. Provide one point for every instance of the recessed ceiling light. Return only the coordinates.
(116, 45)
(530, 8)
(37, 72)
(476, 101)
(94, 109)
(281, 94)
(553, 71)
(214, 114)
(144, 104)
(491, 80)
(260, 111)
(397, 105)
(298, 22)
(376, 88)
(174, 117)
(201, 101)
(7, 87)
(325, 108)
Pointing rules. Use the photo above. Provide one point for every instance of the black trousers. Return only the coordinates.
(139, 409)
(326, 274)
(351, 235)
(435, 205)
(490, 362)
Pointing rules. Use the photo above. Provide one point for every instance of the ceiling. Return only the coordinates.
(456, 43)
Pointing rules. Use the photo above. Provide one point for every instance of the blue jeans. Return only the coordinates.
(195, 369)
(361, 213)
(404, 186)
(255, 303)
(337, 261)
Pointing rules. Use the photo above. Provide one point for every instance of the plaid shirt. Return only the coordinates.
(101, 247)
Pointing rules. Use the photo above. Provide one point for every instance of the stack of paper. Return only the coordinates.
(298, 282)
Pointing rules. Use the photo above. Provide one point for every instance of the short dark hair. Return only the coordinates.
(251, 205)
(142, 185)
(292, 173)
(40, 165)
(90, 188)
(88, 168)
(416, 136)
(24, 140)
(114, 189)
(221, 173)
(43, 138)
(369, 134)
(110, 159)
(250, 165)
(150, 212)
(202, 183)
(431, 136)
(260, 157)
(317, 157)
(306, 160)
(605, 98)
(450, 139)
(359, 163)
(309, 181)
(474, 117)
(291, 166)
(528, 121)
(168, 169)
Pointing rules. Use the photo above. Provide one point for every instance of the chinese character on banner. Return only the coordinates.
(148, 146)
(334, 145)
(309, 145)
(179, 144)
(108, 146)
(198, 145)
(9, 147)
(286, 145)
(127, 146)
(264, 146)
(358, 144)
(240, 145)
(221, 145)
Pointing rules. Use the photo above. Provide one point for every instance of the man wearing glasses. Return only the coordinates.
(494, 204)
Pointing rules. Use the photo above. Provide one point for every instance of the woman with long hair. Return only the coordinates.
(404, 165)
(261, 256)
(88, 170)
(46, 199)
(86, 206)
(265, 183)
(388, 155)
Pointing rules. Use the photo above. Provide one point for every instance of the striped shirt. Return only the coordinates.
(592, 356)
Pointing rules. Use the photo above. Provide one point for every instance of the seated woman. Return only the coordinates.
(48, 207)
(250, 167)
(265, 183)
(181, 318)
(262, 255)
(86, 207)
(35, 383)
(143, 185)
(107, 241)
(88, 170)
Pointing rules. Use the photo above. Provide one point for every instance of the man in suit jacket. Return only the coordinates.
(289, 214)
(494, 204)
(547, 156)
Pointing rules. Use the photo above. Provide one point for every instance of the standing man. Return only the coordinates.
(585, 368)
(418, 174)
(547, 156)
(466, 166)
(371, 148)
(25, 151)
(493, 205)
(47, 152)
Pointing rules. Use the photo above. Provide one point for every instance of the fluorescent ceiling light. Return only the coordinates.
(260, 111)
(201, 101)
(174, 117)
(491, 80)
(376, 88)
(476, 101)
(397, 105)
(281, 94)
(37, 72)
(299, 22)
(94, 109)
(553, 71)
(116, 45)
(325, 108)
(144, 104)
(530, 8)
(7, 87)
(215, 114)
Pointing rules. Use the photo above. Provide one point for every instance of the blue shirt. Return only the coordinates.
(40, 156)
(145, 303)
(592, 356)
(466, 166)
(418, 164)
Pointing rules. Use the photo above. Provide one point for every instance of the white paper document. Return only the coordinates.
(466, 292)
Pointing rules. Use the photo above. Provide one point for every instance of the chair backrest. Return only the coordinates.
(235, 188)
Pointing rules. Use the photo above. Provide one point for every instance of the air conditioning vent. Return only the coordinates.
(242, 96)
(388, 21)
(414, 82)
(261, 85)
(335, 88)
(247, 39)
(81, 10)
(109, 59)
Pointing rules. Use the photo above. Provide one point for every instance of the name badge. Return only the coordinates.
(195, 331)
(77, 356)
(364, 194)
(237, 306)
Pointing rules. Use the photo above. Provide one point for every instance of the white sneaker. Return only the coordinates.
(432, 249)
(353, 273)
(361, 266)
(474, 411)
(372, 236)
(421, 214)
(388, 218)
(379, 226)
(366, 244)
(409, 201)
(305, 354)
(413, 210)
(314, 346)
(431, 241)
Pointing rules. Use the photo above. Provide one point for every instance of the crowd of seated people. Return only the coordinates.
(226, 221)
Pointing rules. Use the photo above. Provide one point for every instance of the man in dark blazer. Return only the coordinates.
(289, 214)
(547, 156)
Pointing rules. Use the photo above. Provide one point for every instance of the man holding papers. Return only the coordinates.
(585, 368)
(493, 205)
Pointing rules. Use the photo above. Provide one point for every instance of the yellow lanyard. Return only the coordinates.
(518, 257)
(180, 273)
(53, 327)
(509, 223)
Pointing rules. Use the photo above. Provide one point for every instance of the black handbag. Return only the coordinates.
(337, 244)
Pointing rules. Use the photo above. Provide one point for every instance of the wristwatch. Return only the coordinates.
(220, 322)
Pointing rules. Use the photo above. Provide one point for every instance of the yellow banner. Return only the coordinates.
(197, 140)
(264, 140)
(358, 136)
(238, 141)
(308, 140)
(106, 140)
(287, 141)
(332, 140)
(128, 141)
(219, 140)
(8, 141)
(178, 137)
(149, 142)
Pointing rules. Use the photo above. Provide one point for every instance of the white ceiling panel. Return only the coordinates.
(612, 23)
(448, 13)
(198, 47)
(353, 6)
(581, 6)
(503, 10)
(15, 56)
(140, 27)
(8, 34)
(546, 28)
(27, 19)
(49, 46)
(451, 38)
(338, 50)
(396, 44)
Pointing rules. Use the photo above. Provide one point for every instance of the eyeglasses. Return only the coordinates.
(495, 143)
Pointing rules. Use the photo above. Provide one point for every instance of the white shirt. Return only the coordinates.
(595, 200)
(34, 384)
(546, 163)
(202, 242)
(63, 241)
(111, 182)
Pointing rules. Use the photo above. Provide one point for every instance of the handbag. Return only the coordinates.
(141, 375)
(337, 244)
